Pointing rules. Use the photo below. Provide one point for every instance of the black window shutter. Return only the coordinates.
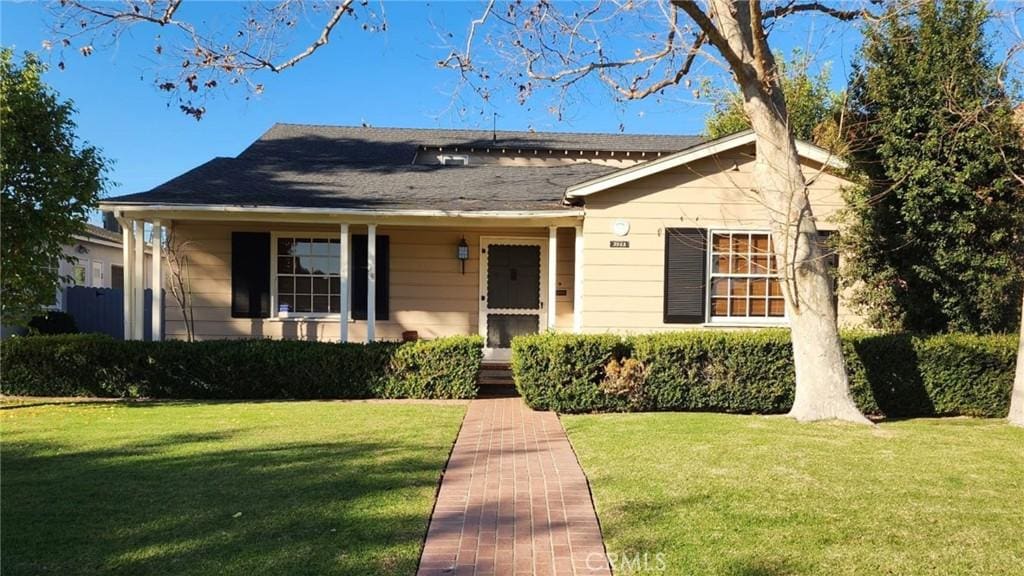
(359, 281)
(685, 275)
(250, 274)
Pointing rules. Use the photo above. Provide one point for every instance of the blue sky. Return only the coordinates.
(384, 79)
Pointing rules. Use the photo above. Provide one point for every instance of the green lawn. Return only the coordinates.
(220, 488)
(750, 495)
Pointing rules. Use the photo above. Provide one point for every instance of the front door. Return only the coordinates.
(512, 286)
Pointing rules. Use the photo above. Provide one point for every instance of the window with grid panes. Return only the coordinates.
(308, 274)
(744, 277)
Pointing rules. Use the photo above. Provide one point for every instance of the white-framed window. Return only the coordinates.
(98, 277)
(744, 284)
(306, 274)
(78, 274)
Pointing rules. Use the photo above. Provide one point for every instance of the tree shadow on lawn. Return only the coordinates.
(175, 506)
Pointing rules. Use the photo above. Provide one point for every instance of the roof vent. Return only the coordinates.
(454, 159)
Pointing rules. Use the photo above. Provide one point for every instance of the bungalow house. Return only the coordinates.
(442, 232)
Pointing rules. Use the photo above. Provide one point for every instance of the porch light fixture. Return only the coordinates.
(463, 253)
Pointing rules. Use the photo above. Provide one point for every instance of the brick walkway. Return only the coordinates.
(513, 499)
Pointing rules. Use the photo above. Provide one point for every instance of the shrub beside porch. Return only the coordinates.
(894, 375)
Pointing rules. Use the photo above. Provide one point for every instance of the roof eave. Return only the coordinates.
(122, 208)
(692, 154)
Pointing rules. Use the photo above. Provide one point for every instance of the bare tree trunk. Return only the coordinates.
(1017, 396)
(180, 280)
(822, 385)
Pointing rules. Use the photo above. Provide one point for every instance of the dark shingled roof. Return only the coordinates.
(98, 232)
(372, 168)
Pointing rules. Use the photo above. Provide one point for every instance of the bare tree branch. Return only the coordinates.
(457, 57)
(325, 36)
(715, 36)
(207, 59)
(636, 93)
(794, 8)
(179, 280)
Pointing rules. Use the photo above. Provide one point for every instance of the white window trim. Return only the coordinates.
(773, 321)
(275, 315)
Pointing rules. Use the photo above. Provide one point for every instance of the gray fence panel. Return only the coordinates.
(101, 310)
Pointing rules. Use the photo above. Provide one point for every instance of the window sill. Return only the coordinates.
(309, 318)
(784, 323)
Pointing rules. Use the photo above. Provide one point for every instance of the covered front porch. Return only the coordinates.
(296, 274)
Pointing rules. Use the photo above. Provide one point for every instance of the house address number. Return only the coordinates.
(618, 243)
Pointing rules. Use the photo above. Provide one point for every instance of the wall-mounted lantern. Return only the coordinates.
(463, 253)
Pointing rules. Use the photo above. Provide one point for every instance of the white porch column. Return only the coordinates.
(371, 282)
(552, 275)
(127, 275)
(156, 240)
(139, 275)
(577, 281)
(343, 292)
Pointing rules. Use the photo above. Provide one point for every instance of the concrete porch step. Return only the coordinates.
(495, 375)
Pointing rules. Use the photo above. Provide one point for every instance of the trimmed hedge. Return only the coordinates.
(561, 371)
(94, 365)
(897, 375)
(442, 368)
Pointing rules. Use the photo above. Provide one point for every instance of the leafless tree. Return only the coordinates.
(641, 48)
(198, 57)
(180, 280)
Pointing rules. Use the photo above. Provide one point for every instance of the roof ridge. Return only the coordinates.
(483, 130)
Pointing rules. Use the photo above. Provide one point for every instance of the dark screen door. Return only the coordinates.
(513, 292)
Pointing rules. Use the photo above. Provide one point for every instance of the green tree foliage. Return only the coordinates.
(814, 109)
(936, 236)
(49, 181)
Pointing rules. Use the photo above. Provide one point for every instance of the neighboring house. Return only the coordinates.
(98, 264)
(98, 253)
(468, 232)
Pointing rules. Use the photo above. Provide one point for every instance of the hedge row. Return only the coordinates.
(897, 375)
(93, 365)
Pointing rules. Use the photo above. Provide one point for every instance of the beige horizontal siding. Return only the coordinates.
(428, 291)
(624, 287)
(565, 277)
